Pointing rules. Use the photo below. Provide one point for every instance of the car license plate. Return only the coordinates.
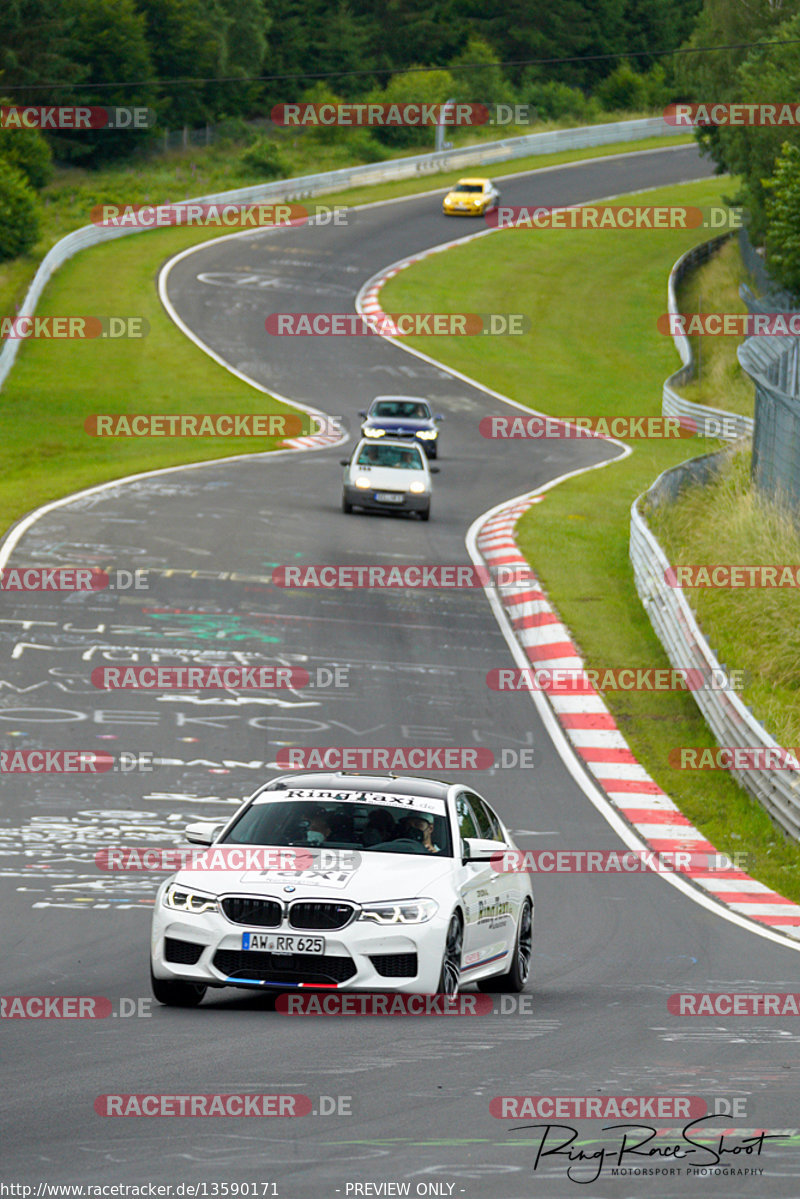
(388, 497)
(283, 943)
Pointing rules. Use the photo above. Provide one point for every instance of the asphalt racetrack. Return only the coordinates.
(608, 950)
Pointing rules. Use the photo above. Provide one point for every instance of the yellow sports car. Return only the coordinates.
(470, 197)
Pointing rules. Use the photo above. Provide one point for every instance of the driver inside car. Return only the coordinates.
(419, 827)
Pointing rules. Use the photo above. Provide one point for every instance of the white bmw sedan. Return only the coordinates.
(397, 891)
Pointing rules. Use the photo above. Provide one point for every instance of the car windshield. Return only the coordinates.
(356, 821)
(404, 409)
(395, 456)
(468, 187)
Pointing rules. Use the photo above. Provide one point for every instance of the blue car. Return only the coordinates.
(403, 416)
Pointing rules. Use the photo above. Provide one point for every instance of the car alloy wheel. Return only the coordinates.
(514, 980)
(450, 977)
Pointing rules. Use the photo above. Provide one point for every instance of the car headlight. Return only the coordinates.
(417, 487)
(427, 434)
(374, 432)
(400, 911)
(186, 899)
(363, 481)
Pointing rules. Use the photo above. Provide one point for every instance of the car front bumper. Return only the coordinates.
(361, 956)
(365, 498)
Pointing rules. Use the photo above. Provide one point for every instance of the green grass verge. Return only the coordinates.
(594, 351)
(72, 195)
(728, 522)
(720, 382)
(54, 386)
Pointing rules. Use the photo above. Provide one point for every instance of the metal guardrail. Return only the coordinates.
(730, 720)
(710, 422)
(773, 363)
(583, 137)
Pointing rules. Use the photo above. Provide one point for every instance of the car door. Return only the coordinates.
(501, 913)
(478, 889)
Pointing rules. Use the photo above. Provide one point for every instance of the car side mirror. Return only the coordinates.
(438, 416)
(434, 470)
(202, 832)
(344, 461)
(361, 412)
(476, 849)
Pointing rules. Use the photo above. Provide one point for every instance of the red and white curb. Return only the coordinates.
(332, 434)
(367, 301)
(599, 745)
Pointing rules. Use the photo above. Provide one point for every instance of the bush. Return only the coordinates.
(625, 90)
(265, 159)
(659, 92)
(20, 212)
(362, 146)
(478, 77)
(231, 130)
(412, 87)
(783, 237)
(553, 101)
(27, 150)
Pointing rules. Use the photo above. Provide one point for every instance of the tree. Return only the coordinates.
(20, 212)
(570, 29)
(416, 31)
(311, 38)
(767, 73)
(657, 25)
(38, 46)
(483, 83)
(248, 26)
(624, 90)
(187, 41)
(29, 152)
(783, 219)
(411, 87)
(111, 48)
